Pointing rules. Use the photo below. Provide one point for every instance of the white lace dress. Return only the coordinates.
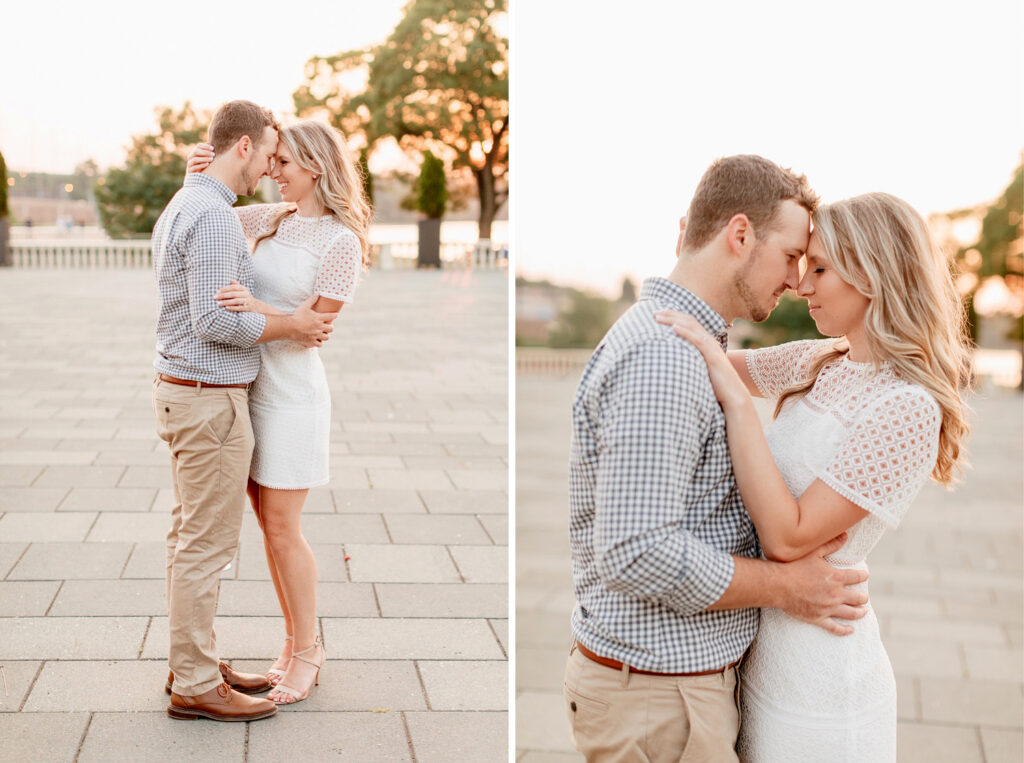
(808, 695)
(289, 402)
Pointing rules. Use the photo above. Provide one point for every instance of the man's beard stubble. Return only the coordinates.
(753, 311)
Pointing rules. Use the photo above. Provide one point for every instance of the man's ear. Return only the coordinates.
(244, 146)
(682, 236)
(739, 234)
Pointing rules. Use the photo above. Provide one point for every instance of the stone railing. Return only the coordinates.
(543, 361)
(99, 253)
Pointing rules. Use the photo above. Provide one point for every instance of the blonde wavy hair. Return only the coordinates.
(882, 247)
(321, 149)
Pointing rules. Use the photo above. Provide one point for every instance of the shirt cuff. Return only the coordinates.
(251, 328)
(704, 579)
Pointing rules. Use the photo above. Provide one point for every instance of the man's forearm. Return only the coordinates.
(755, 583)
(278, 327)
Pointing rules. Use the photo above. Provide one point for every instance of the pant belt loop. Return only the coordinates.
(199, 387)
(625, 675)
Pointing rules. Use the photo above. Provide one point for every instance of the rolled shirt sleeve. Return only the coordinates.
(655, 416)
(211, 264)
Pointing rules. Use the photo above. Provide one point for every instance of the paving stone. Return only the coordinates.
(437, 529)
(935, 744)
(129, 686)
(151, 736)
(500, 628)
(296, 735)
(26, 599)
(164, 500)
(994, 663)
(915, 657)
(46, 457)
(347, 528)
(940, 629)
(400, 564)
(465, 737)
(1002, 745)
(975, 701)
(400, 639)
(45, 526)
(482, 564)
(319, 501)
(533, 756)
(417, 479)
(85, 442)
(496, 526)
(479, 479)
(41, 737)
(379, 501)
(465, 502)
(79, 476)
(250, 597)
(24, 499)
(9, 554)
(108, 499)
(130, 455)
(540, 669)
(349, 479)
(71, 561)
(146, 476)
(19, 476)
(71, 638)
(466, 685)
(398, 449)
(908, 703)
(128, 527)
(358, 685)
(17, 677)
(437, 600)
(111, 598)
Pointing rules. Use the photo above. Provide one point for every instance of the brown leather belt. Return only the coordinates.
(616, 665)
(194, 383)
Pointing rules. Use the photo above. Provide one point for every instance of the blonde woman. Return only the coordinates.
(312, 246)
(861, 422)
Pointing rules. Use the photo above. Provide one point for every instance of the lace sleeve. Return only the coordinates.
(888, 454)
(254, 217)
(339, 268)
(776, 369)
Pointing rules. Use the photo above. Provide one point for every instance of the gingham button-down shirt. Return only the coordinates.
(199, 248)
(655, 514)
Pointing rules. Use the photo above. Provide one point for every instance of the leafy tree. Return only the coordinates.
(131, 198)
(584, 323)
(439, 81)
(4, 210)
(432, 187)
(628, 295)
(364, 170)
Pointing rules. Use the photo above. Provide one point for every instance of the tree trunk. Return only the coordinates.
(5, 251)
(485, 193)
(429, 248)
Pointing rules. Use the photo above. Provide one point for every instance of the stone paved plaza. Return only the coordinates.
(946, 587)
(411, 534)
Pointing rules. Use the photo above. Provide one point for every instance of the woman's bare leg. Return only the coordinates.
(281, 663)
(281, 511)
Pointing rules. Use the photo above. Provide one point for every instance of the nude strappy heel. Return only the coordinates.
(274, 675)
(299, 696)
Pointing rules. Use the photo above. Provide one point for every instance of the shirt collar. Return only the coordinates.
(685, 301)
(199, 180)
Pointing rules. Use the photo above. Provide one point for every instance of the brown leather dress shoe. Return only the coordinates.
(221, 703)
(246, 683)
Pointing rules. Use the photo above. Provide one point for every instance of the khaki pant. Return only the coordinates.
(622, 717)
(210, 438)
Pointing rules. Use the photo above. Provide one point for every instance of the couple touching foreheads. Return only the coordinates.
(722, 608)
(240, 395)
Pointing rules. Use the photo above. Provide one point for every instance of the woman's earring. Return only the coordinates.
(315, 177)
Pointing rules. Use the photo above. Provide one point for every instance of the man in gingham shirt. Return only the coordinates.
(206, 357)
(665, 558)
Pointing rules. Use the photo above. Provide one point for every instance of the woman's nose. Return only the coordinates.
(804, 288)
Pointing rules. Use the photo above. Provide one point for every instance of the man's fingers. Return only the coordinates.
(853, 577)
(309, 302)
(834, 628)
(845, 612)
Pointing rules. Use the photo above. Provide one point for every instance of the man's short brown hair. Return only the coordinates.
(745, 184)
(237, 118)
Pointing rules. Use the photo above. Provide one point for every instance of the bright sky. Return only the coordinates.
(619, 108)
(81, 78)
